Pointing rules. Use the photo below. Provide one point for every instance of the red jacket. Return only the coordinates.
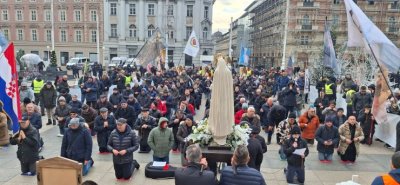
(162, 107)
(238, 116)
(191, 109)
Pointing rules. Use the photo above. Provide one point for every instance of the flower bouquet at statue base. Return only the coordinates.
(202, 135)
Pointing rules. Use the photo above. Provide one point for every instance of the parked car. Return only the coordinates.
(117, 61)
(78, 61)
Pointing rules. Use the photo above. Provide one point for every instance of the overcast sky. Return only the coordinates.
(224, 10)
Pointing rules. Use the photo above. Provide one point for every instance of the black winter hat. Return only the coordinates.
(295, 130)
(292, 115)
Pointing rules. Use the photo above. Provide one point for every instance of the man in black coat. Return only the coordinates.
(122, 143)
(295, 161)
(115, 99)
(255, 150)
(174, 124)
(195, 173)
(127, 112)
(28, 142)
(77, 144)
(103, 125)
(144, 124)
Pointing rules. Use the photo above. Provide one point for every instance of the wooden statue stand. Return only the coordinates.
(59, 171)
(215, 154)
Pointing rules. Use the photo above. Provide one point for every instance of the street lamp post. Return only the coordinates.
(48, 53)
(259, 57)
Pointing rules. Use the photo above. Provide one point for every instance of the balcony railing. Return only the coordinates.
(306, 27)
(308, 4)
(393, 29)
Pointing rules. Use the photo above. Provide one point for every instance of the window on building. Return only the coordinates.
(188, 31)
(47, 15)
(150, 9)
(77, 0)
(62, 15)
(304, 40)
(63, 36)
(18, 1)
(114, 30)
(392, 25)
(34, 35)
(6, 34)
(150, 30)
(308, 3)
(33, 15)
(78, 36)
(94, 36)
(336, 1)
(371, 2)
(77, 15)
(19, 15)
(5, 15)
(335, 20)
(170, 10)
(93, 15)
(48, 35)
(205, 33)
(206, 12)
(113, 8)
(131, 53)
(394, 5)
(171, 34)
(132, 30)
(306, 23)
(20, 34)
(189, 10)
(132, 9)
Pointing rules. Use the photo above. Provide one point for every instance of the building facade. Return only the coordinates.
(305, 20)
(27, 23)
(128, 24)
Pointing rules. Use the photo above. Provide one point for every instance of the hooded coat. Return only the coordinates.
(48, 96)
(161, 140)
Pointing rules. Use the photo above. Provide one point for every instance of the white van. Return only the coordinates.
(77, 61)
(117, 61)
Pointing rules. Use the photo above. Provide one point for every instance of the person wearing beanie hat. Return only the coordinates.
(283, 132)
(367, 122)
(77, 144)
(48, 99)
(144, 124)
(104, 124)
(122, 143)
(293, 148)
(61, 114)
(328, 138)
(184, 130)
(255, 149)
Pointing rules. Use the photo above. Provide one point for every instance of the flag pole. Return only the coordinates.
(373, 54)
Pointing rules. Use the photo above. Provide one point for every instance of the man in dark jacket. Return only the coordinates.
(239, 172)
(61, 114)
(195, 172)
(77, 145)
(127, 112)
(184, 130)
(34, 118)
(103, 125)
(255, 150)
(75, 103)
(290, 97)
(89, 114)
(120, 81)
(276, 114)
(48, 97)
(367, 123)
(28, 147)
(328, 138)
(90, 89)
(361, 99)
(174, 124)
(115, 99)
(144, 124)
(103, 102)
(393, 177)
(122, 143)
(295, 158)
(63, 85)
(143, 98)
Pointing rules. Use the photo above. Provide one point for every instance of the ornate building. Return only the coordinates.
(304, 33)
(128, 24)
(27, 23)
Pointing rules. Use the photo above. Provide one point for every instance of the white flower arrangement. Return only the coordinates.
(202, 135)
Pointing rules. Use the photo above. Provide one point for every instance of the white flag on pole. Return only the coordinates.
(192, 46)
(362, 31)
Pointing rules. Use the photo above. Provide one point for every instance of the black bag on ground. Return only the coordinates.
(158, 172)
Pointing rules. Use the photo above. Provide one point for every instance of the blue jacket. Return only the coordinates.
(394, 173)
(245, 175)
(92, 94)
(35, 119)
(282, 82)
(76, 104)
(300, 83)
(77, 144)
(324, 134)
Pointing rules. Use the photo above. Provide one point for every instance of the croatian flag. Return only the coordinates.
(9, 94)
